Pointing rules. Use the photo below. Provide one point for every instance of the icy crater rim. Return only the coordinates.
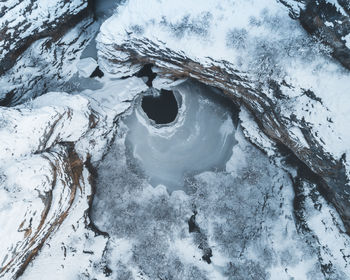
(153, 97)
(164, 130)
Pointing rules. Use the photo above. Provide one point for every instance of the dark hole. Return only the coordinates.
(192, 225)
(162, 109)
(146, 71)
(97, 73)
(207, 255)
(107, 271)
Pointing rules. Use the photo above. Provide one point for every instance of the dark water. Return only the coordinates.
(162, 109)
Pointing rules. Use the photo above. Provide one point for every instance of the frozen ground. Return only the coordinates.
(212, 207)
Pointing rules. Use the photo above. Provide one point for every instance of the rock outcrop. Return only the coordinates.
(24, 22)
(47, 149)
(328, 21)
(40, 43)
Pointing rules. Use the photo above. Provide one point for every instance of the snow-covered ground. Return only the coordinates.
(45, 185)
(254, 217)
(27, 19)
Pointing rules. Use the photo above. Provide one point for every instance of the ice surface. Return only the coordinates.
(103, 9)
(200, 138)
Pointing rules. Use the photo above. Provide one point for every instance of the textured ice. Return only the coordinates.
(200, 138)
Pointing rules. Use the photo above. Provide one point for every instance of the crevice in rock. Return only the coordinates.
(97, 73)
(92, 180)
(146, 71)
(8, 99)
(207, 255)
(200, 238)
(92, 8)
(107, 271)
(192, 225)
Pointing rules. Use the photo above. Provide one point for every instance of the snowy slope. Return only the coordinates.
(23, 22)
(44, 176)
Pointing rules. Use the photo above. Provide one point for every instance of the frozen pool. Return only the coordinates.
(200, 138)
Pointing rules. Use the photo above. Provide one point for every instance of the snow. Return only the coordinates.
(329, 24)
(245, 216)
(242, 197)
(39, 69)
(184, 25)
(28, 172)
(27, 18)
(33, 165)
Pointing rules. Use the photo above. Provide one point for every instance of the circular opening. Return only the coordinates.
(199, 138)
(161, 108)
